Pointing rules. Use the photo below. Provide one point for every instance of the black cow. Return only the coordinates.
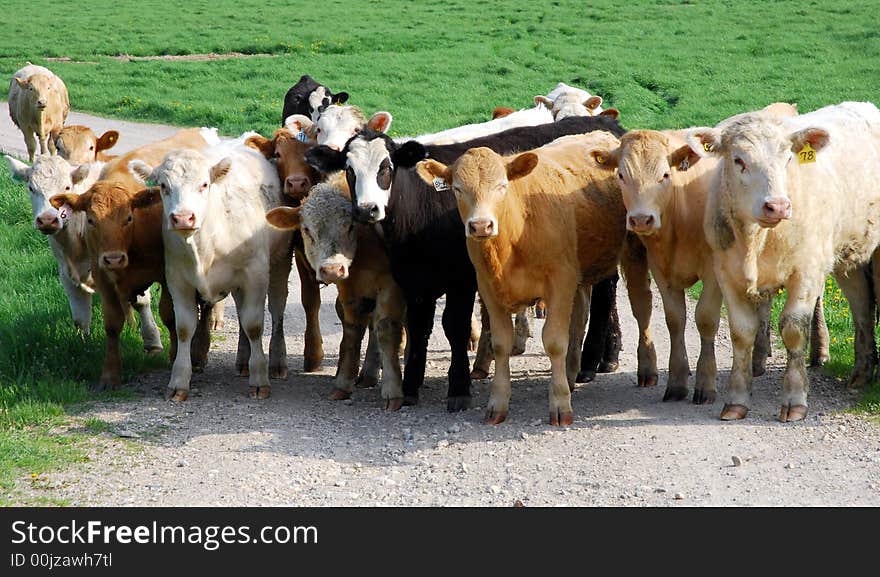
(424, 233)
(307, 97)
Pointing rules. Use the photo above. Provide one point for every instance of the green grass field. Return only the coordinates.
(664, 64)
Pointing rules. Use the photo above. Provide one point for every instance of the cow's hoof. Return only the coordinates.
(102, 386)
(243, 370)
(734, 412)
(218, 325)
(259, 392)
(702, 397)
(479, 374)
(153, 351)
(561, 418)
(176, 395)
(517, 350)
(472, 345)
(366, 382)
(278, 372)
(675, 394)
(859, 381)
(198, 367)
(789, 413)
(608, 366)
(647, 380)
(585, 377)
(410, 400)
(393, 404)
(456, 404)
(339, 395)
(494, 417)
(312, 365)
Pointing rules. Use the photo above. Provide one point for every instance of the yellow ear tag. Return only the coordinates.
(807, 154)
(707, 147)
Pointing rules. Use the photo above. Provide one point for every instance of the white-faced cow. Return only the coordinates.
(309, 98)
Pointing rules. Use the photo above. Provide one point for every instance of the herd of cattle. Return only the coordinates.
(545, 203)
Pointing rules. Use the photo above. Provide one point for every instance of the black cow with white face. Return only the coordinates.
(424, 233)
(310, 99)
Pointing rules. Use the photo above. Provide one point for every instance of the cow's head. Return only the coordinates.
(288, 152)
(480, 179)
(645, 163)
(568, 104)
(185, 179)
(49, 175)
(759, 154)
(79, 145)
(321, 97)
(328, 231)
(110, 208)
(369, 160)
(38, 88)
(338, 124)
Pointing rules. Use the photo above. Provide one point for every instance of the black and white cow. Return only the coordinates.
(424, 233)
(309, 98)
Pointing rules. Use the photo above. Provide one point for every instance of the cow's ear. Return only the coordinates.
(107, 140)
(20, 171)
(80, 173)
(606, 158)
(593, 102)
(146, 198)
(141, 171)
(340, 98)
(297, 123)
(818, 138)
(612, 112)
(704, 141)
(380, 122)
(263, 145)
(501, 112)
(521, 165)
(429, 170)
(683, 158)
(284, 217)
(220, 170)
(324, 159)
(77, 202)
(23, 82)
(539, 99)
(409, 154)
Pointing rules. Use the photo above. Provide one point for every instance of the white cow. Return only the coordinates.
(795, 199)
(217, 242)
(66, 229)
(540, 114)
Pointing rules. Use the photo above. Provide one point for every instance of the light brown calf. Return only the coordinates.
(38, 105)
(78, 144)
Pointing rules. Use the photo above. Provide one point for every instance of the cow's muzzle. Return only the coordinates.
(641, 223)
(481, 228)
(184, 221)
(332, 272)
(48, 223)
(368, 213)
(114, 260)
(297, 186)
(774, 211)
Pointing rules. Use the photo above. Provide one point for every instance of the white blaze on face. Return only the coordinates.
(369, 172)
(319, 100)
(337, 124)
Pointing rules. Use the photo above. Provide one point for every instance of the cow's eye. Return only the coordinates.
(31, 188)
(665, 176)
(318, 131)
(620, 176)
(67, 188)
(130, 218)
(306, 231)
(740, 163)
(92, 147)
(204, 186)
(91, 221)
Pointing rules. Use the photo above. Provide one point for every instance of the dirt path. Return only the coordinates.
(625, 447)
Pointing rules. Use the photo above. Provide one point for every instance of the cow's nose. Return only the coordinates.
(368, 212)
(777, 208)
(41, 104)
(481, 227)
(114, 259)
(641, 222)
(48, 223)
(183, 220)
(297, 185)
(332, 272)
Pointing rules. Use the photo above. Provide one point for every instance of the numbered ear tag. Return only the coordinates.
(302, 137)
(440, 184)
(64, 212)
(807, 154)
(707, 147)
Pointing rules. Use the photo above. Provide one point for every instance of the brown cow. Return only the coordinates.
(78, 144)
(541, 224)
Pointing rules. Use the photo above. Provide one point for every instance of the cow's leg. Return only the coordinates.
(369, 375)
(560, 303)
(44, 148)
(634, 264)
(419, 322)
(611, 355)
(149, 330)
(279, 274)
(31, 143)
(502, 343)
(474, 341)
(353, 327)
(251, 304)
(50, 142)
(217, 318)
(858, 294)
(484, 357)
(762, 348)
(457, 326)
(794, 324)
(114, 319)
(708, 315)
(389, 332)
(675, 310)
(243, 352)
(201, 342)
(580, 313)
(743, 319)
(166, 313)
(521, 332)
(311, 299)
(597, 334)
(819, 341)
(80, 302)
(185, 320)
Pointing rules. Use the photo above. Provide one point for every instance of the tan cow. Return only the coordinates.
(794, 199)
(78, 144)
(38, 105)
(539, 225)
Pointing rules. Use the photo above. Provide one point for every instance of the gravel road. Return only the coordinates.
(625, 448)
